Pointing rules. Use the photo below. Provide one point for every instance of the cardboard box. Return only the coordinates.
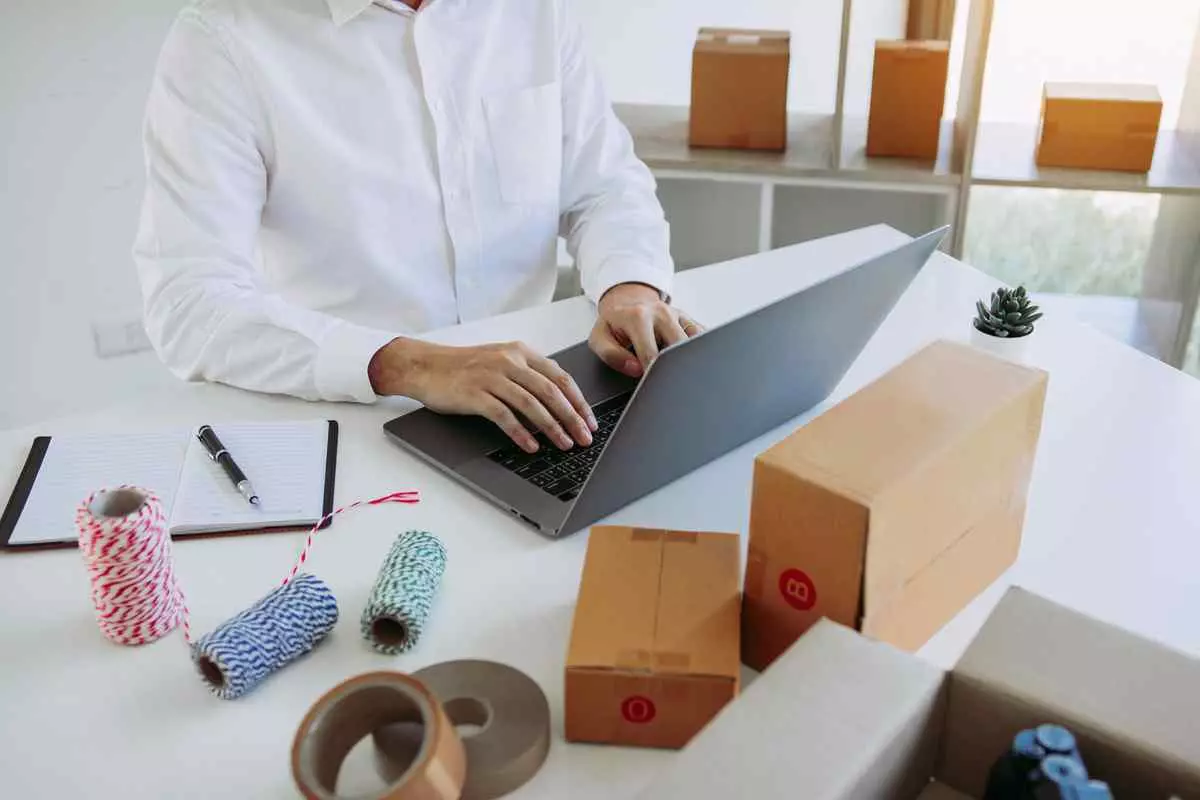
(1099, 126)
(840, 717)
(654, 646)
(908, 93)
(892, 510)
(739, 89)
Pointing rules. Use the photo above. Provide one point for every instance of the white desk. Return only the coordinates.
(1113, 529)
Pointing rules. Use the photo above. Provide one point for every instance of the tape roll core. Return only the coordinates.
(353, 710)
(506, 707)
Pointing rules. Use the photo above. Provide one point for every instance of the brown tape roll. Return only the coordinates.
(510, 711)
(353, 709)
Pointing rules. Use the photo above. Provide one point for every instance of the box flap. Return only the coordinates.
(618, 600)
(1133, 704)
(1121, 92)
(661, 602)
(911, 46)
(976, 479)
(836, 716)
(698, 631)
(747, 40)
(871, 439)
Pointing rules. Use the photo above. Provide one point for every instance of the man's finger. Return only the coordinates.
(606, 346)
(565, 384)
(639, 327)
(520, 399)
(690, 326)
(670, 330)
(495, 410)
(542, 388)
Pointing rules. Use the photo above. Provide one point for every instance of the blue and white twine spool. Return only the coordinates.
(287, 623)
(403, 595)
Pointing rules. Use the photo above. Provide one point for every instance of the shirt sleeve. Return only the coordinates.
(612, 220)
(207, 310)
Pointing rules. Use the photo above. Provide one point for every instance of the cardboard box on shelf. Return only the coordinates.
(841, 717)
(739, 89)
(892, 510)
(1111, 126)
(654, 645)
(908, 94)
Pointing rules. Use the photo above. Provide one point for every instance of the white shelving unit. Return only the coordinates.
(724, 203)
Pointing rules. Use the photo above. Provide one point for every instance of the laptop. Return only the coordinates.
(700, 399)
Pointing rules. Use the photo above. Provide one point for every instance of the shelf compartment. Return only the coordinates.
(660, 136)
(1004, 156)
(803, 212)
(710, 220)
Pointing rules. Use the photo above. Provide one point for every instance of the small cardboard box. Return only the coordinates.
(908, 93)
(1099, 126)
(841, 717)
(739, 89)
(895, 508)
(654, 646)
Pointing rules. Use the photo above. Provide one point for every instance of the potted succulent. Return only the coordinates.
(1004, 325)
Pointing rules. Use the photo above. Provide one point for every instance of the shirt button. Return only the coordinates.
(468, 283)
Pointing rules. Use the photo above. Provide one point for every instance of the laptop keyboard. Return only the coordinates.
(562, 472)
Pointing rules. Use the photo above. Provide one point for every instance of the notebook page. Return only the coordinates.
(285, 461)
(75, 466)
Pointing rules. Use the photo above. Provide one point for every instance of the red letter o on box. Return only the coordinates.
(638, 710)
(797, 589)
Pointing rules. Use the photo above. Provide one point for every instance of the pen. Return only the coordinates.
(218, 453)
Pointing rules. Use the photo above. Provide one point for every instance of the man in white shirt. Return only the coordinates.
(327, 177)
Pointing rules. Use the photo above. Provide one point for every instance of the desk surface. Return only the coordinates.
(1113, 529)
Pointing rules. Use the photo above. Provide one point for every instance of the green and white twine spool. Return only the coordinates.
(403, 595)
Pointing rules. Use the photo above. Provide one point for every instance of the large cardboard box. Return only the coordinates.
(739, 89)
(654, 646)
(908, 93)
(841, 717)
(1099, 126)
(895, 508)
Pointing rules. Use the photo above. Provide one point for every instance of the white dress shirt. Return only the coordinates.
(324, 175)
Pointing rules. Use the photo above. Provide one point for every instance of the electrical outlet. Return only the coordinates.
(119, 337)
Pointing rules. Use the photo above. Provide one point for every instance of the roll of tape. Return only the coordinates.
(506, 705)
(355, 708)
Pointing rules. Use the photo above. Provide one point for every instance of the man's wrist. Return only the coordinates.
(395, 367)
(631, 291)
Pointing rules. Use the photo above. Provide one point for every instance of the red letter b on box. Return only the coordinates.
(797, 589)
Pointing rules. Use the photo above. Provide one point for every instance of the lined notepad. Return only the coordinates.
(290, 463)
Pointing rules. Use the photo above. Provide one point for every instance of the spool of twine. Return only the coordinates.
(247, 649)
(402, 598)
(127, 550)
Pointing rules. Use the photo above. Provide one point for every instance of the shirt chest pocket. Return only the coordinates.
(525, 130)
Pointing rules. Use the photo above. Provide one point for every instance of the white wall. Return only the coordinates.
(645, 48)
(73, 75)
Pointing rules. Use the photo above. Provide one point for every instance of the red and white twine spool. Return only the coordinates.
(126, 547)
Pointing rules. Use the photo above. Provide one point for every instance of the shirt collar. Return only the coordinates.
(343, 11)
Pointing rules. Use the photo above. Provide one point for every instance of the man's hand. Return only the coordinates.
(493, 381)
(632, 324)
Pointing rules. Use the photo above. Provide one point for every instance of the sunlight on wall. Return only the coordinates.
(1086, 40)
